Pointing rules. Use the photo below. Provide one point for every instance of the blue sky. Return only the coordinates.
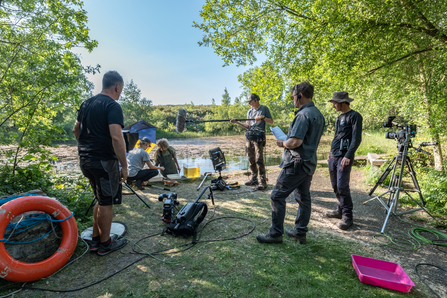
(154, 43)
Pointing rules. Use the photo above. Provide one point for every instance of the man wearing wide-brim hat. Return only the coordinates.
(348, 135)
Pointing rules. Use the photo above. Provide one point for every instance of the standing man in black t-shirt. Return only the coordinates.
(255, 139)
(101, 146)
(348, 135)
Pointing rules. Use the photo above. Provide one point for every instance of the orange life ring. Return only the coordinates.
(14, 270)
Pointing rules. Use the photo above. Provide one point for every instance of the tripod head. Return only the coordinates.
(403, 136)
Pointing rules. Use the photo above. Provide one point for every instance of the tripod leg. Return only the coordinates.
(130, 188)
(93, 201)
(415, 181)
(383, 176)
(393, 201)
(394, 182)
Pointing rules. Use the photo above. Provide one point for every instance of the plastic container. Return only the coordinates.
(191, 171)
(381, 273)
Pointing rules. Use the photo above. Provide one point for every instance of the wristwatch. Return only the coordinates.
(281, 144)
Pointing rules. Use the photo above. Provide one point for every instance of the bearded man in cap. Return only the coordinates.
(348, 135)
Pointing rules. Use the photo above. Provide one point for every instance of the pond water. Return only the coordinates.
(233, 163)
(205, 164)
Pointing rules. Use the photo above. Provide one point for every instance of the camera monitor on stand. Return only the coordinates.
(130, 138)
(218, 159)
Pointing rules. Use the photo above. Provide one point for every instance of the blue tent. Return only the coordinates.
(143, 129)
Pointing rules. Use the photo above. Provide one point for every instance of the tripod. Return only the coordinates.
(395, 185)
(127, 186)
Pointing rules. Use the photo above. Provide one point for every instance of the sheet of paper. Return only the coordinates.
(278, 133)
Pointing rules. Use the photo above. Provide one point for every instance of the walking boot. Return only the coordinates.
(333, 214)
(262, 184)
(268, 238)
(300, 238)
(139, 184)
(252, 181)
(344, 224)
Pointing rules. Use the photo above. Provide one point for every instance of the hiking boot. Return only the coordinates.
(333, 214)
(262, 184)
(300, 238)
(344, 224)
(253, 181)
(268, 238)
(93, 245)
(139, 184)
(115, 244)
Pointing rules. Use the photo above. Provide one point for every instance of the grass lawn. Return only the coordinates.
(233, 268)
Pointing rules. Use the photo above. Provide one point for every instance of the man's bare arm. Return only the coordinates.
(76, 130)
(291, 143)
(119, 147)
(244, 125)
(152, 167)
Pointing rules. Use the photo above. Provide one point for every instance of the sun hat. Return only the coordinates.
(341, 96)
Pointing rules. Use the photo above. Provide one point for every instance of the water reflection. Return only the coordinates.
(233, 163)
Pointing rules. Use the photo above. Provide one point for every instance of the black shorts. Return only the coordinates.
(104, 177)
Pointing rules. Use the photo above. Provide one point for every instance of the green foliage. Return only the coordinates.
(226, 99)
(373, 173)
(434, 189)
(38, 175)
(222, 112)
(32, 176)
(390, 54)
(75, 194)
(134, 107)
(41, 84)
(39, 76)
(375, 142)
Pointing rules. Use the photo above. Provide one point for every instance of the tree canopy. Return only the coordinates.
(390, 54)
(134, 107)
(39, 75)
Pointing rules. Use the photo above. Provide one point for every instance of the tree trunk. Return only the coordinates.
(434, 136)
(437, 153)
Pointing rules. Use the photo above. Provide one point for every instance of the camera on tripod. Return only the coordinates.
(401, 135)
(168, 205)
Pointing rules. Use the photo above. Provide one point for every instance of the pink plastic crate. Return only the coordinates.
(381, 273)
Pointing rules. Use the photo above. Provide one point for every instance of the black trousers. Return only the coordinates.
(340, 177)
(292, 178)
(144, 175)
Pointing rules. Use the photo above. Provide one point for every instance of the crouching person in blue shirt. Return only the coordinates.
(136, 159)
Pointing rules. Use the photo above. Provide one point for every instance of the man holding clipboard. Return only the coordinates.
(298, 165)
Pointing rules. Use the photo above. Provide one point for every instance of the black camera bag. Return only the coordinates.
(188, 227)
(255, 135)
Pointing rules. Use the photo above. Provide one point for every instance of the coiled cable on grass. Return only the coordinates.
(441, 238)
(399, 242)
(431, 265)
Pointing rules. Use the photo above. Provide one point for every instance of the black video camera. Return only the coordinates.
(401, 135)
(168, 205)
